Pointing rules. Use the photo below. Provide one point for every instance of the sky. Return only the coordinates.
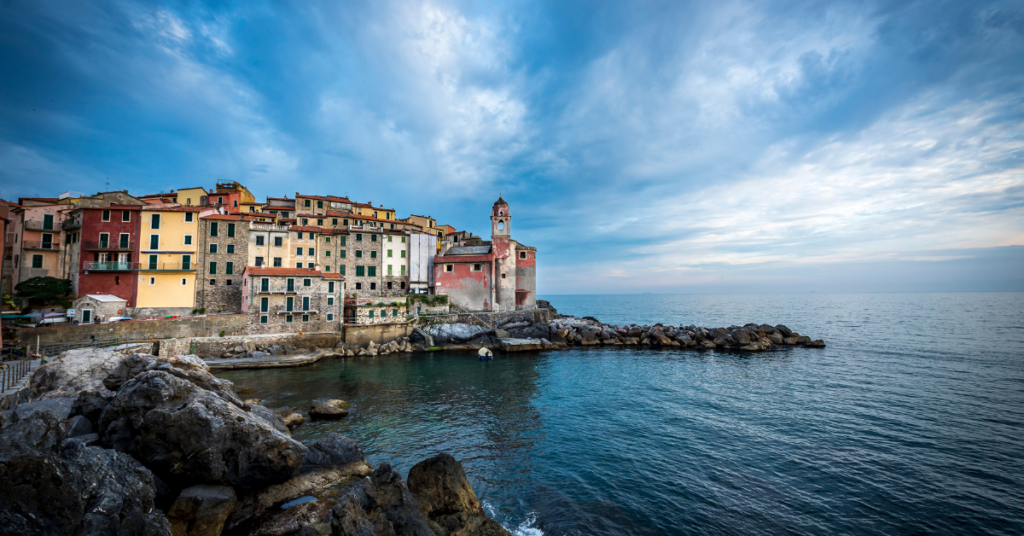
(697, 147)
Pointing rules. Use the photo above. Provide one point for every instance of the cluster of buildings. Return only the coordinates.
(285, 261)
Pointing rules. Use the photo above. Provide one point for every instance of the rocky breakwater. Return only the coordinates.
(589, 331)
(146, 445)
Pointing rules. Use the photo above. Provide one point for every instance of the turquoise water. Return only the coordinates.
(910, 422)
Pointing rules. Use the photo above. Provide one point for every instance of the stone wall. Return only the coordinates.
(206, 326)
(370, 248)
(221, 292)
(493, 319)
(324, 314)
(368, 314)
(380, 333)
(216, 346)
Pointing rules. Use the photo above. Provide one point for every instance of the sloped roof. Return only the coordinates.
(468, 250)
(105, 297)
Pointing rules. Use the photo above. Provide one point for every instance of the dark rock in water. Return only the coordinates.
(201, 510)
(61, 407)
(385, 506)
(786, 332)
(290, 418)
(52, 486)
(742, 337)
(790, 340)
(815, 344)
(803, 339)
(326, 408)
(333, 451)
(724, 340)
(186, 367)
(447, 499)
(189, 435)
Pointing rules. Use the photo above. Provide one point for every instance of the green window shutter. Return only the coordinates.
(330, 286)
(264, 305)
(360, 271)
(373, 271)
(342, 269)
(390, 252)
(359, 254)
(289, 304)
(48, 221)
(213, 268)
(229, 268)
(154, 241)
(265, 285)
(305, 303)
(342, 252)
(37, 261)
(343, 241)
(231, 230)
(403, 269)
(213, 228)
(371, 313)
(327, 253)
(402, 254)
(389, 269)
(152, 262)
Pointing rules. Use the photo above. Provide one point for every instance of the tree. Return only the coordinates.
(43, 290)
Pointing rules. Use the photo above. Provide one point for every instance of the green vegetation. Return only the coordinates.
(44, 290)
(222, 333)
(428, 299)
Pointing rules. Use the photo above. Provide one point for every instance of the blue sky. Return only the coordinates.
(643, 146)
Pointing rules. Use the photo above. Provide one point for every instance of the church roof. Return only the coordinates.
(500, 201)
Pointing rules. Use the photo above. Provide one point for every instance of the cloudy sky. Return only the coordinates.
(725, 146)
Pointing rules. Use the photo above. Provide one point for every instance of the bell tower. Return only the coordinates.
(501, 220)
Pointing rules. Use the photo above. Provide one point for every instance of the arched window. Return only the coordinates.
(501, 212)
(501, 225)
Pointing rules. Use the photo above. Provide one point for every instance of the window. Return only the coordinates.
(184, 282)
(213, 282)
(236, 202)
(227, 282)
(298, 251)
(394, 312)
(341, 269)
(305, 318)
(152, 262)
(259, 240)
(186, 262)
(402, 273)
(327, 268)
(327, 253)
(307, 282)
(373, 254)
(330, 300)
(306, 202)
(359, 237)
(389, 273)
(231, 230)
(277, 262)
(284, 214)
(402, 253)
(214, 228)
(188, 240)
(259, 261)
(330, 287)
(188, 200)
(477, 268)
(319, 222)
(220, 200)
(359, 285)
(370, 313)
(213, 248)
(360, 271)
(343, 241)
(359, 254)
(86, 316)
(373, 238)
(289, 304)
(213, 268)
(522, 254)
(154, 221)
(154, 241)
(104, 240)
(37, 261)
(503, 276)
(305, 221)
(372, 272)
(389, 240)
(298, 265)
(231, 249)
(252, 209)
(344, 222)
(229, 268)
(290, 285)
(106, 215)
(265, 285)
(319, 204)
(373, 286)
(299, 235)
(330, 317)
(117, 280)
(334, 221)
(312, 251)
(278, 241)
(288, 318)
(390, 252)
(449, 267)
(402, 283)
(305, 303)
(403, 239)
(264, 305)
(189, 216)
(327, 240)
(342, 253)
(263, 319)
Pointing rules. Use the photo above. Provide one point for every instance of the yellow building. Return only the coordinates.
(367, 209)
(168, 256)
(191, 197)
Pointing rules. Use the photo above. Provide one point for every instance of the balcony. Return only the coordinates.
(108, 245)
(39, 244)
(286, 311)
(73, 223)
(38, 225)
(109, 266)
(165, 266)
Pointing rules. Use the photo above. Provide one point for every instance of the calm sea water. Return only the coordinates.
(910, 422)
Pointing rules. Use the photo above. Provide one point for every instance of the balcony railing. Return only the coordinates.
(108, 245)
(39, 244)
(166, 266)
(109, 266)
(39, 225)
(281, 310)
(71, 224)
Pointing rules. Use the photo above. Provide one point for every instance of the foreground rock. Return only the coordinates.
(189, 435)
(187, 367)
(382, 505)
(52, 485)
(201, 510)
(446, 498)
(75, 371)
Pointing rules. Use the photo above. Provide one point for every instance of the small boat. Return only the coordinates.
(485, 354)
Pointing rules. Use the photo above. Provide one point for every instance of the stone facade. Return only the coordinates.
(377, 310)
(363, 266)
(331, 250)
(291, 300)
(100, 306)
(223, 254)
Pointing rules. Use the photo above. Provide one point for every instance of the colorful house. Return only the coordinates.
(167, 257)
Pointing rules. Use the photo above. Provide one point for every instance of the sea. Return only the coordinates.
(910, 421)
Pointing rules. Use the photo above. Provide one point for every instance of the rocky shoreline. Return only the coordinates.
(153, 446)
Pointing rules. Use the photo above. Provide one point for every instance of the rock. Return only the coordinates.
(708, 344)
(189, 435)
(815, 344)
(742, 337)
(381, 506)
(74, 371)
(89, 440)
(453, 333)
(61, 407)
(186, 367)
(270, 417)
(290, 418)
(91, 406)
(446, 498)
(724, 340)
(790, 340)
(201, 510)
(657, 336)
(78, 426)
(803, 339)
(775, 337)
(64, 487)
(786, 332)
(326, 408)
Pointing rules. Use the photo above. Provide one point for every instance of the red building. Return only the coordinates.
(109, 238)
(499, 274)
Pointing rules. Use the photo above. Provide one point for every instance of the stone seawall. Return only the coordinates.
(492, 319)
(203, 326)
(378, 333)
(218, 346)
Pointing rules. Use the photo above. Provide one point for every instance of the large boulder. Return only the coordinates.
(383, 505)
(189, 435)
(454, 333)
(327, 408)
(447, 499)
(186, 367)
(201, 510)
(53, 485)
(74, 371)
(59, 406)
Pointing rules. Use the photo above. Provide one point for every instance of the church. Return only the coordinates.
(495, 275)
